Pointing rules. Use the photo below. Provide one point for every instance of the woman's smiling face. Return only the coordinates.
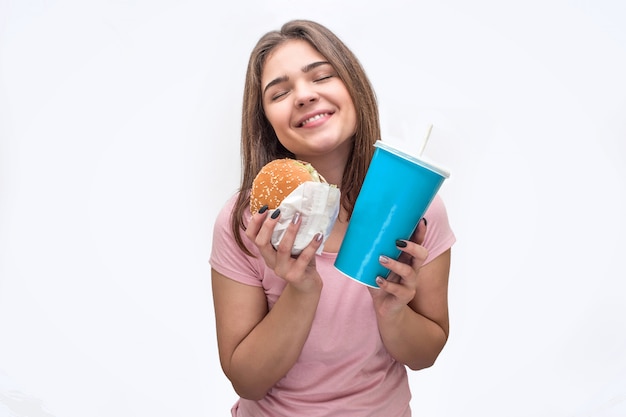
(306, 102)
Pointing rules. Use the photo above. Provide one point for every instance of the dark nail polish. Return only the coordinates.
(263, 209)
(425, 222)
(400, 243)
(275, 214)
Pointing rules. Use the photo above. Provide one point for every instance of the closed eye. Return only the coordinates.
(325, 77)
(278, 95)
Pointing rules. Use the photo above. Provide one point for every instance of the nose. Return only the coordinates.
(305, 95)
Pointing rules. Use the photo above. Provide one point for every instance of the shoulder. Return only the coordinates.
(439, 233)
(225, 213)
(436, 212)
(223, 234)
(226, 257)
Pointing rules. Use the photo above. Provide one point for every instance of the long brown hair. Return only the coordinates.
(259, 144)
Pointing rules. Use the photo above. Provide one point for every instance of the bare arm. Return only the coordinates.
(412, 307)
(257, 347)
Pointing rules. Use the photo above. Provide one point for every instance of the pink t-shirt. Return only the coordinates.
(344, 368)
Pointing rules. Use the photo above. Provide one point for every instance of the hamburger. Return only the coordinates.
(277, 179)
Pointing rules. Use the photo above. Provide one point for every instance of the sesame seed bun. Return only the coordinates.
(278, 179)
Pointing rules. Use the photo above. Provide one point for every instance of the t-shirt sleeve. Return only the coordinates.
(226, 256)
(439, 234)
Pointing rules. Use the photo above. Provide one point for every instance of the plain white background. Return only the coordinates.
(119, 142)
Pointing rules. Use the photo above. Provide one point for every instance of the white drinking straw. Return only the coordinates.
(430, 128)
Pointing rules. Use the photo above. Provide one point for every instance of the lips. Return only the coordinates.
(312, 118)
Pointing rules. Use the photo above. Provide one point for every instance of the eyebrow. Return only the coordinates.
(284, 78)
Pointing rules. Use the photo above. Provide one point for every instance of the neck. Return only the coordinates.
(331, 166)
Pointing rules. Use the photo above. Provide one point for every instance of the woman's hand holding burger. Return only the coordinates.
(277, 180)
(300, 271)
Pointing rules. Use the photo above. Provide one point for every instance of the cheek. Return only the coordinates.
(276, 117)
(353, 120)
(348, 104)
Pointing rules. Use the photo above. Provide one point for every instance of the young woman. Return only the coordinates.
(295, 336)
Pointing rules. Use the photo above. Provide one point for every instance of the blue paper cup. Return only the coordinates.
(397, 190)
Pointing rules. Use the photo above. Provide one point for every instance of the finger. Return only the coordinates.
(307, 256)
(404, 257)
(264, 236)
(400, 291)
(412, 253)
(292, 268)
(405, 271)
(288, 239)
(417, 236)
(255, 223)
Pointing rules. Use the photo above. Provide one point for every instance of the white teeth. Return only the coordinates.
(317, 116)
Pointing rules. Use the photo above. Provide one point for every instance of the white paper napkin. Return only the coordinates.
(318, 205)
